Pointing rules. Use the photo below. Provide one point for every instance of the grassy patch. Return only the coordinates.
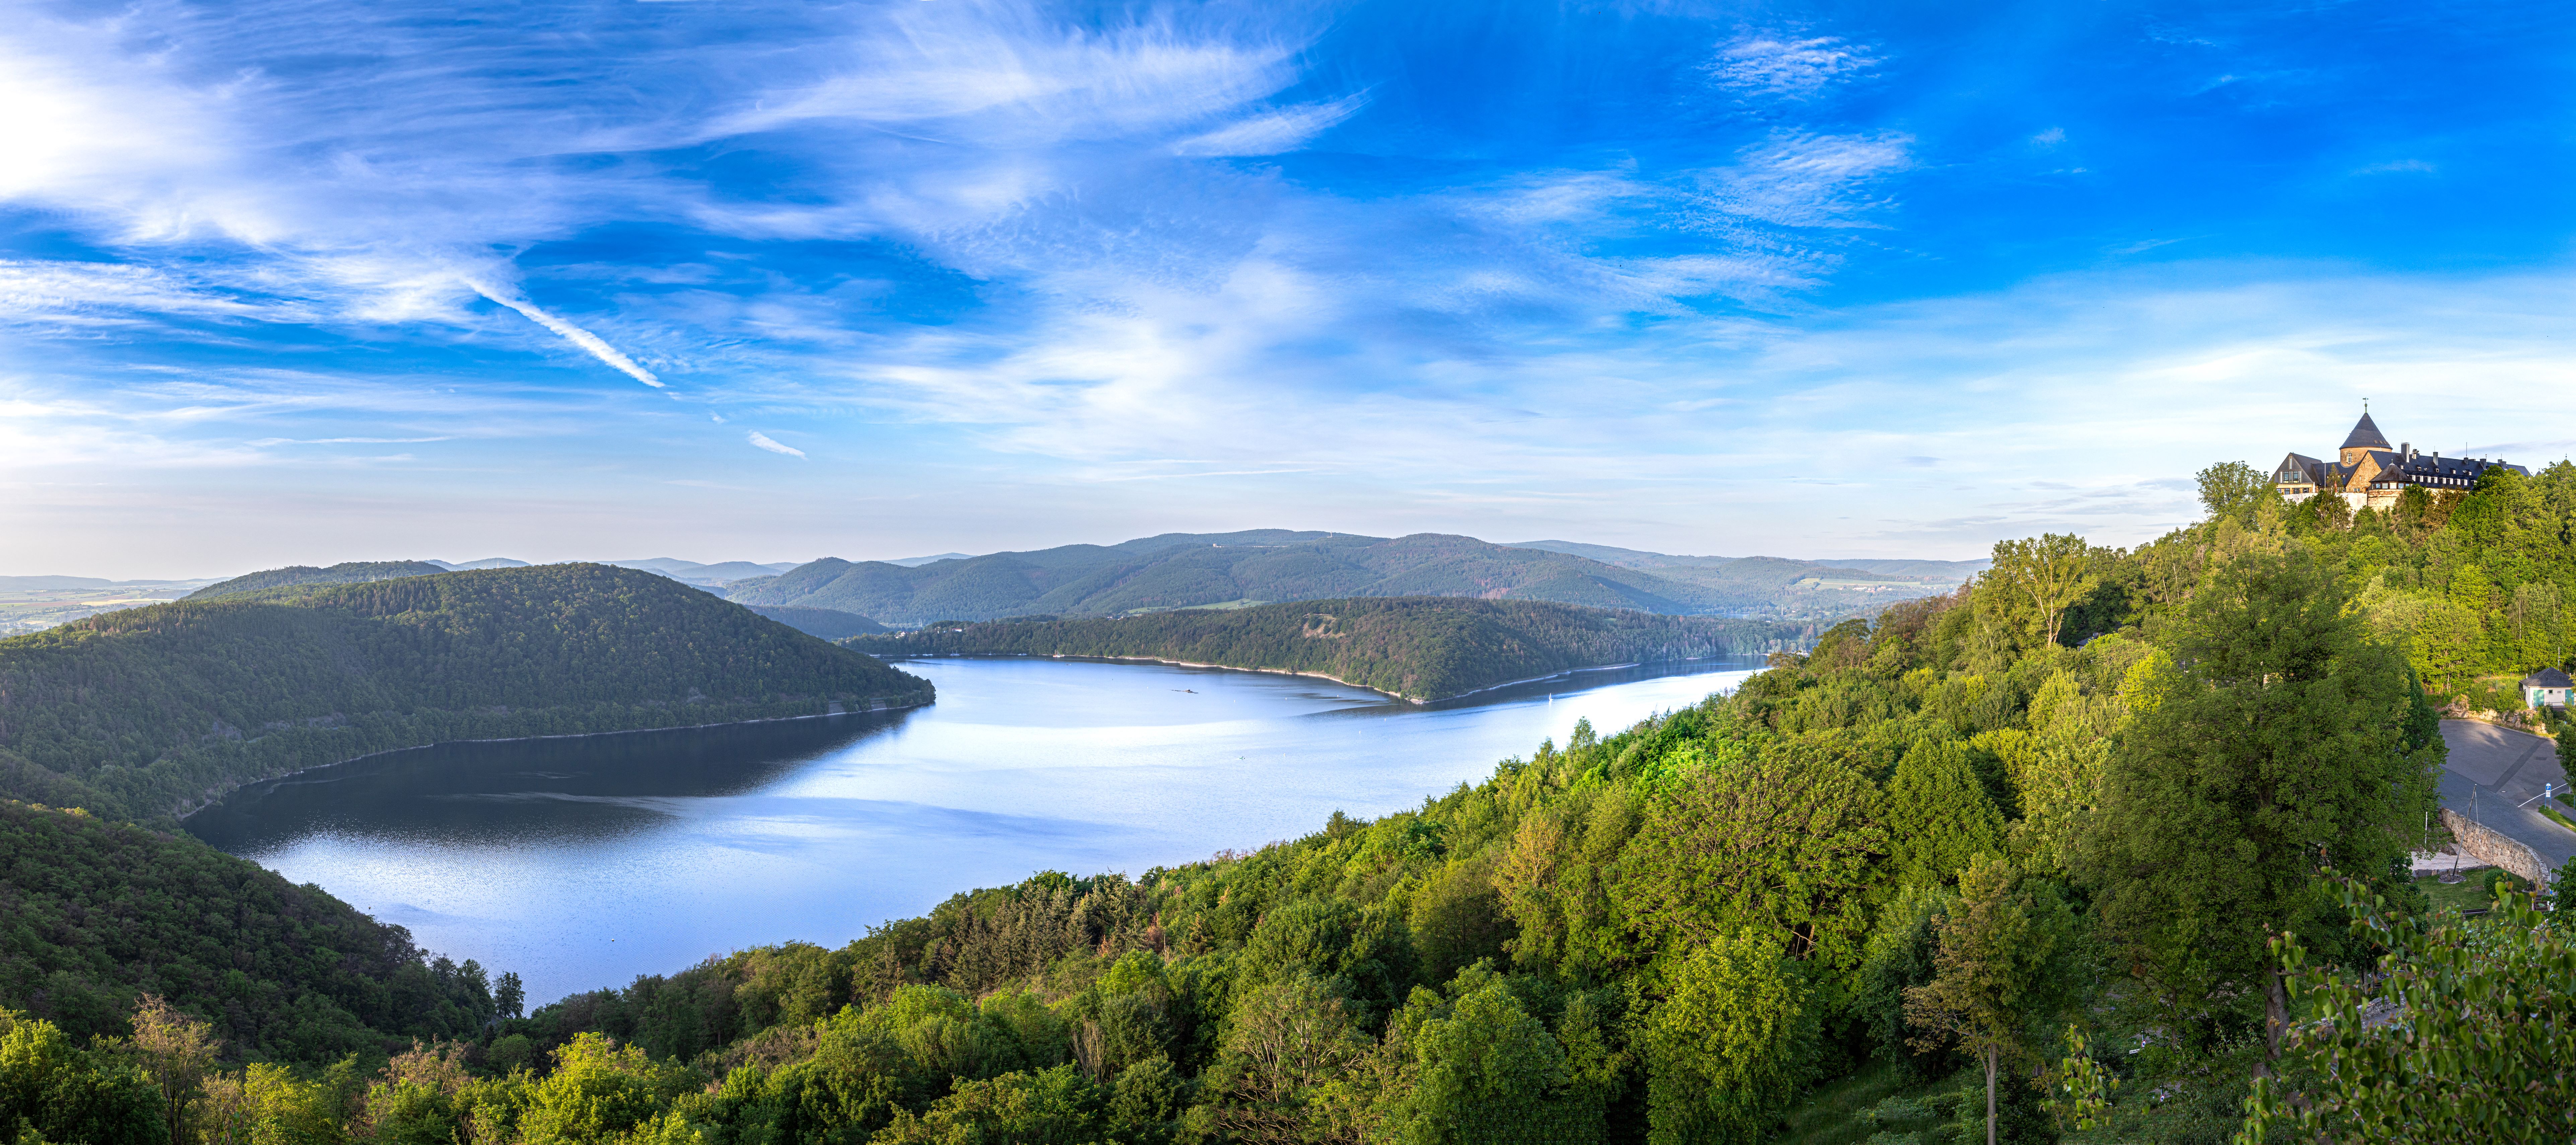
(1869, 1102)
(2470, 895)
(2555, 815)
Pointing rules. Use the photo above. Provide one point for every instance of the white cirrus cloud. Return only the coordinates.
(1801, 179)
(71, 291)
(1786, 67)
(763, 441)
(1274, 132)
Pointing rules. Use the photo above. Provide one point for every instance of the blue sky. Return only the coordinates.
(308, 282)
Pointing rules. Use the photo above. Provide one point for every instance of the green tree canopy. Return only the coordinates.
(1937, 813)
(1730, 1043)
(2002, 976)
(1782, 844)
(2272, 741)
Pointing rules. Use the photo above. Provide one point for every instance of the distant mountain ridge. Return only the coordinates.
(45, 583)
(347, 572)
(360, 572)
(1953, 571)
(723, 572)
(1417, 648)
(1191, 570)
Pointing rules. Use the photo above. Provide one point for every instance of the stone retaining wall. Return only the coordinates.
(2493, 847)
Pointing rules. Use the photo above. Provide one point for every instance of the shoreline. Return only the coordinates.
(1398, 696)
(183, 816)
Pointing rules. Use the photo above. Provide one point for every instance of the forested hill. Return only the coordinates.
(1420, 648)
(146, 712)
(348, 572)
(101, 913)
(828, 623)
(1269, 566)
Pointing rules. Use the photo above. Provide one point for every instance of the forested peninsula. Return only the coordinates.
(1193, 570)
(2107, 847)
(1416, 648)
(144, 713)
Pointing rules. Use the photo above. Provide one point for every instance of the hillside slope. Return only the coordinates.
(145, 712)
(828, 623)
(100, 913)
(350, 572)
(1266, 566)
(1420, 648)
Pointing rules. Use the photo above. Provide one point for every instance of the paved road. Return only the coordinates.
(2492, 772)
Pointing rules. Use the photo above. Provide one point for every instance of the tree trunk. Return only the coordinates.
(1990, 1095)
(2276, 1012)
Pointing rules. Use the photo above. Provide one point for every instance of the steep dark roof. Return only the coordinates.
(2308, 468)
(2365, 435)
(2546, 678)
(2466, 470)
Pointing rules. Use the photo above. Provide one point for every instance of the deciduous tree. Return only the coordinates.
(2003, 973)
(176, 1050)
(1729, 1045)
(2042, 577)
(2485, 1026)
(2273, 741)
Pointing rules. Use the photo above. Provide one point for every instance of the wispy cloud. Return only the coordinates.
(266, 441)
(105, 291)
(1188, 476)
(1272, 132)
(763, 441)
(1799, 179)
(1784, 66)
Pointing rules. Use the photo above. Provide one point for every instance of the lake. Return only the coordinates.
(583, 862)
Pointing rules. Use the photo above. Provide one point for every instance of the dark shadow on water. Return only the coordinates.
(593, 788)
(1365, 703)
(1586, 679)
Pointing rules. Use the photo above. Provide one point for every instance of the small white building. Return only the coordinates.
(2546, 686)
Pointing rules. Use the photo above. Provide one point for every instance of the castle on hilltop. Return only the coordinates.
(2369, 473)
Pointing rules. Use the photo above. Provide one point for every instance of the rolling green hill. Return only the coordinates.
(350, 572)
(101, 912)
(1420, 648)
(1183, 570)
(828, 623)
(146, 712)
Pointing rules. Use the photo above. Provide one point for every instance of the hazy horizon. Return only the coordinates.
(576, 557)
(303, 283)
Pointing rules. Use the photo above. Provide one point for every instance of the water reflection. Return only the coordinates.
(581, 862)
(503, 792)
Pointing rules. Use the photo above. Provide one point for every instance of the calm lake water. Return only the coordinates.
(582, 863)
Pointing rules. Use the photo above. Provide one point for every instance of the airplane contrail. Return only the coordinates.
(598, 347)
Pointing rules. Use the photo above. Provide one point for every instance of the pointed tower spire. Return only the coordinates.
(2365, 437)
